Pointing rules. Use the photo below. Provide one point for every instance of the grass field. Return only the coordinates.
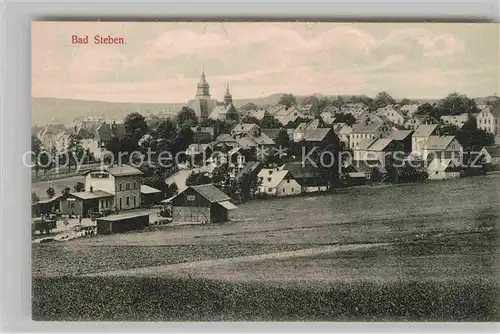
(439, 261)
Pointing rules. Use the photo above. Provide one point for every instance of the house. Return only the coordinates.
(289, 115)
(104, 134)
(199, 150)
(368, 131)
(455, 120)
(84, 137)
(421, 136)
(354, 109)
(343, 133)
(308, 176)
(298, 134)
(123, 182)
(327, 117)
(491, 156)
(489, 120)
(203, 135)
(443, 147)
(307, 109)
(150, 195)
(48, 135)
(124, 222)
(330, 109)
(361, 150)
(84, 202)
(416, 120)
(272, 133)
(276, 182)
(201, 204)
(245, 128)
(259, 114)
(221, 112)
(392, 113)
(441, 169)
(403, 138)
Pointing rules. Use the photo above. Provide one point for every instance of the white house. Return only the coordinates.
(363, 131)
(456, 120)
(441, 169)
(443, 147)
(392, 114)
(489, 120)
(278, 182)
(421, 136)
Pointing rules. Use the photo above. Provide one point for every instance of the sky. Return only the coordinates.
(162, 61)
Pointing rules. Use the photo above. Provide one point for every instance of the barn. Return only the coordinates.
(202, 204)
(124, 222)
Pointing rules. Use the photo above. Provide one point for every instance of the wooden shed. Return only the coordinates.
(122, 222)
(79, 203)
(203, 204)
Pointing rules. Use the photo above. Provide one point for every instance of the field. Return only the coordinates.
(409, 252)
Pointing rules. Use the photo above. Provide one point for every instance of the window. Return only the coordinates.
(135, 202)
(120, 203)
(127, 201)
(268, 179)
(269, 190)
(191, 198)
(283, 190)
(293, 189)
(127, 186)
(120, 187)
(288, 181)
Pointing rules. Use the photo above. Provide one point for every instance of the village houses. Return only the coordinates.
(421, 136)
(276, 182)
(455, 120)
(393, 114)
(361, 131)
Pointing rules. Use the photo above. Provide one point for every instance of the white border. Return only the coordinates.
(15, 122)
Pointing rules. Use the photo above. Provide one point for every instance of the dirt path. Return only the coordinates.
(198, 265)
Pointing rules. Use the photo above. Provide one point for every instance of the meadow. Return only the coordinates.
(435, 257)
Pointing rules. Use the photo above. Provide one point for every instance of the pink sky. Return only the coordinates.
(161, 62)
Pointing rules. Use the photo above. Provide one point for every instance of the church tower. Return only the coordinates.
(228, 98)
(203, 92)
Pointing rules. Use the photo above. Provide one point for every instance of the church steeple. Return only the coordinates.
(203, 91)
(228, 98)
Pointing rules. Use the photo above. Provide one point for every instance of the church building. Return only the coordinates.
(206, 107)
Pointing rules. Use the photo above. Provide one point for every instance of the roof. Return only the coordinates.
(327, 117)
(300, 171)
(250, 167)
(210, 192)
(207, 129)
(400, 134)
(438, 142)
(243, 127)
(149, 190)
(225, 137)
(364, 144)
(316, 135)
(271, 133)
(271, 178)
(366, 128)
(91, 195)
(123, 170)
(126, 215)
(228, 205)
(424, 130)
(356, 174)
(440, 165)
(462, 118)
(493, 151)
(345, 130)
(380, 144)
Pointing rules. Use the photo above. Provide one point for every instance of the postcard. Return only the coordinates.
(265, 171)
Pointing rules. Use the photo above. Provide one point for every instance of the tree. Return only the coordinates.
(426, 109)
(187, 118)
(282, 139)
(135, 125)
(249, 120)
(249, 106)
(346, 118)
(34, 198)
(232, 114)
(455, 104)
(287, 100)
(404, 102)
(51, 192)
(75, 151)
(166, 129)
(173, 189)
(270, 122)
(45, 160)
(472, 138)
(382, 99)
(36, 148)
(195, 179)
(79, 186)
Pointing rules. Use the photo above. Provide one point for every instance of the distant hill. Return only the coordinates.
(64, 111)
